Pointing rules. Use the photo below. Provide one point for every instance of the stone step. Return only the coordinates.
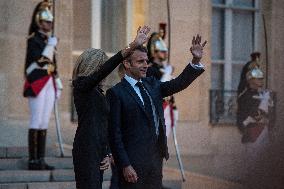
(68, 185)
(22, 163)
(65, 179)
(26, 176)
(40, 185)
(20, 179)
(22, 151)
(18, 176)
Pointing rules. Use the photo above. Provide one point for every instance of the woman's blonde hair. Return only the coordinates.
(89, 62)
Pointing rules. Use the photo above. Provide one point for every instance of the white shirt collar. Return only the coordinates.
(131, 80)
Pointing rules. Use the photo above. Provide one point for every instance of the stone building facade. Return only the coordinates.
(111, 25)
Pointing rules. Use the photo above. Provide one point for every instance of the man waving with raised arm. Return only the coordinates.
(137, 127)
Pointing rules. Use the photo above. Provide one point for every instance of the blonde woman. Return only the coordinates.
(90, 147)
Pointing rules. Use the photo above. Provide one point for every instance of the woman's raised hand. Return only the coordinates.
(140, 39)
(142, 35)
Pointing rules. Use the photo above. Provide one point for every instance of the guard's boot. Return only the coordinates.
(33, 163)
(41, 150)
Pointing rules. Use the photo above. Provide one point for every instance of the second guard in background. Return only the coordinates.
(161, 69)
(42, 84)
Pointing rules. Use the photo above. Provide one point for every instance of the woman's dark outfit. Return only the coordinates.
(91, 142)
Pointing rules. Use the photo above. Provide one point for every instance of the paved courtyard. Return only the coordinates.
(199, 169)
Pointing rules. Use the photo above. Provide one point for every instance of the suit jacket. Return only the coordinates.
(130, 130)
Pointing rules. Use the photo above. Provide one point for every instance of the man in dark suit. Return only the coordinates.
(137, 127)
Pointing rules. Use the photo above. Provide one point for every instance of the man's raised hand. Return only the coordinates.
(197, 48)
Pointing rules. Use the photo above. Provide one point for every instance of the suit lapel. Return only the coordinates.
(131, 91)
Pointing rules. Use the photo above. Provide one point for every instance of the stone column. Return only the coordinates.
(188, 18)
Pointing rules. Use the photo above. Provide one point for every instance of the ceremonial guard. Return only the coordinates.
(254, 106)
(161, 69)
(157, 53)
(42, 84)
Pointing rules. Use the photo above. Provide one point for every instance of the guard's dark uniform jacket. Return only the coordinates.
(248, 106)
(36, 66)
(155, 71)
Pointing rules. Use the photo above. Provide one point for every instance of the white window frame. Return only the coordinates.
(96, 17)
(96, 20)
(228, 66)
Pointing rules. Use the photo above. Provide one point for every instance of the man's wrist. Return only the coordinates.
(127, 51)
(195, 60)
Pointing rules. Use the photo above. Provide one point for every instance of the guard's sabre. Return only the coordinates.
(266, 51)
(57, 123)
(169, 28)
(175, 114)
(56, 113)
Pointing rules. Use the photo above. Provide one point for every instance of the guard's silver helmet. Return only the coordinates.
(160, 45)
(255, 73)
(156, 43)
(44, 13)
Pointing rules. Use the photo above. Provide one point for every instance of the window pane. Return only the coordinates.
(217, 76)
(218, 1)
(113, 25)
(246, 3)
(237, 68)
(243, 35)
(218, 34)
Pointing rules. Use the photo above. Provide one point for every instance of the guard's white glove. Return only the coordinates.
(264, 97)
(248, 120)
(49, 49)
(52, 41)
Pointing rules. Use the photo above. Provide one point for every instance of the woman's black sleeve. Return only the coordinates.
(85, 83)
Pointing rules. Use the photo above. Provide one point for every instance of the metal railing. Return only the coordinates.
(223, 107)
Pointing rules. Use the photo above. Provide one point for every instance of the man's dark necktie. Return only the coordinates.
(147, 102)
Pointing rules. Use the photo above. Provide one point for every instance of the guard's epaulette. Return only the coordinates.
(30, 36)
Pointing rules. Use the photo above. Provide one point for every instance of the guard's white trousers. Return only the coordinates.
(41, 106)
(253, 153)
